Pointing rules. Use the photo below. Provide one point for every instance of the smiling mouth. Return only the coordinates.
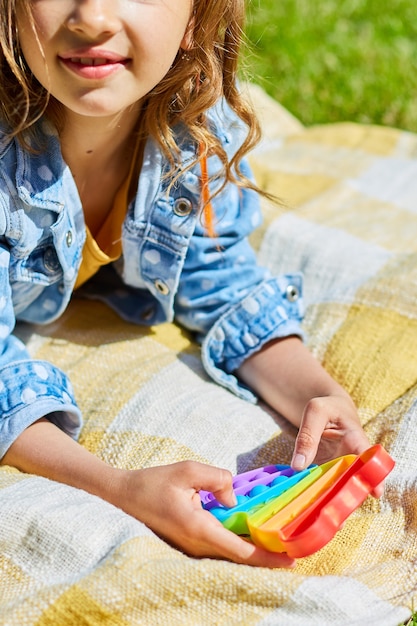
(99, 65)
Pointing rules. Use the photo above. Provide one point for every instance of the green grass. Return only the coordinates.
(336, 60)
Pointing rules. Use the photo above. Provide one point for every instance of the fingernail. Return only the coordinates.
(298, 461)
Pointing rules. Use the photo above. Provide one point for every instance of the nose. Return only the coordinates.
(94, 18)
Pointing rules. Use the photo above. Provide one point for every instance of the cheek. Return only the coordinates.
(164, 46)
(35, 37)
(33, 55)
(28, 40)
(161, 33)
(37, 47)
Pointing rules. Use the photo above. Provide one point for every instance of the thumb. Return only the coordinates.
(220, 483)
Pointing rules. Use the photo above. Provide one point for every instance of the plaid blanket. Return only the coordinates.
(350, 224)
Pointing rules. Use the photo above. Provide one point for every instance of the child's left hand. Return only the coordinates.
(329, 428)
(287, 376)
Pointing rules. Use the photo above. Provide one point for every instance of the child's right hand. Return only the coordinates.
(166, 498)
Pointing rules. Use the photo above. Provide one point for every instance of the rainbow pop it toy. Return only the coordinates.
(300, 512)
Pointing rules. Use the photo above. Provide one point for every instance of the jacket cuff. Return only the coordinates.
(272, 310)
(30, 390)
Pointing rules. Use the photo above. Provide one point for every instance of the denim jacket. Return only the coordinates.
(169, 270)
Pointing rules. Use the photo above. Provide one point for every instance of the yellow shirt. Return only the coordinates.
(107, 245)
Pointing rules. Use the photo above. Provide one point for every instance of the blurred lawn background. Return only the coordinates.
(336, 60)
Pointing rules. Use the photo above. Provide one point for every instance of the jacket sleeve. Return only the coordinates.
(29, 388)
(234, 305)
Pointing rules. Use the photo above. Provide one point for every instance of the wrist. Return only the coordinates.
(113, 486)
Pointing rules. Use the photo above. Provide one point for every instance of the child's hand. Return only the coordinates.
(287, 376)
(166, 499)
(329, 428)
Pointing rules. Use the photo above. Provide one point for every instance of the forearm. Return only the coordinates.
(45, 450)
(286, 376)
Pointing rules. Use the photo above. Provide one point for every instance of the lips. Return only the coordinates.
(93, 63)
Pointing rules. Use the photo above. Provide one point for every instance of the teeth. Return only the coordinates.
(88, 61)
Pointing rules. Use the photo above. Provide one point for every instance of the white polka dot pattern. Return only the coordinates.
(45, 173)
(153, 257)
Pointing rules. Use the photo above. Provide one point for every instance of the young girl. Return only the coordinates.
(122, 175)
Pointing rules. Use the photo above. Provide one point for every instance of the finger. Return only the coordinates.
(218, 481)
(356, 441)
(311, 429)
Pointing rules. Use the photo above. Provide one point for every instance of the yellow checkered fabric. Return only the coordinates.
(350, 224)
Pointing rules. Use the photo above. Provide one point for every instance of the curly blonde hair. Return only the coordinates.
(198, 78)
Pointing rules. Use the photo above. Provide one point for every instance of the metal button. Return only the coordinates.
(183, 207)
(50, 260)
(161, 287)
(292, 293)
(68, 238)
